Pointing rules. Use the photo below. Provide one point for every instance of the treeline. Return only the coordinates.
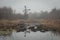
(9, 13)
(53, 14)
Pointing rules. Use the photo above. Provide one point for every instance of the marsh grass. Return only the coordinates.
(47, 24)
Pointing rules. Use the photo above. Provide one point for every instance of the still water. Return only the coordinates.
(31, 36)
(28, 34)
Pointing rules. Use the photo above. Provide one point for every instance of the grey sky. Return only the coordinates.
(34, 5)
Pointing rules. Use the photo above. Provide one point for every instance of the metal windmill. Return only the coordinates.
(26, 12)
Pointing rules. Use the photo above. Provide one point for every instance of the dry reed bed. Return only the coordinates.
(51, 24)
(48, 24)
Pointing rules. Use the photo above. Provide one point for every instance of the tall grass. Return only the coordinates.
(48, 24)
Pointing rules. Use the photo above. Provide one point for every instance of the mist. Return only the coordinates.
(34, 5)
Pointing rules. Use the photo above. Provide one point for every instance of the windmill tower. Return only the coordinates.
(26, 12)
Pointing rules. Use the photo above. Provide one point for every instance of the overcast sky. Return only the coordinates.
(34, 5)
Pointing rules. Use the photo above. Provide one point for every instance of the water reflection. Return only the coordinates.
(36, 36)
(5, 37)
(31, 33)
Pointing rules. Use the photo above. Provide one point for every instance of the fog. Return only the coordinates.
(34, 5)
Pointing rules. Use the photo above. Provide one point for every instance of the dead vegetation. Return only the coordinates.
(47, 24)
(51, 24)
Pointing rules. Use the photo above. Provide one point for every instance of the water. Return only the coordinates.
(30, 36)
